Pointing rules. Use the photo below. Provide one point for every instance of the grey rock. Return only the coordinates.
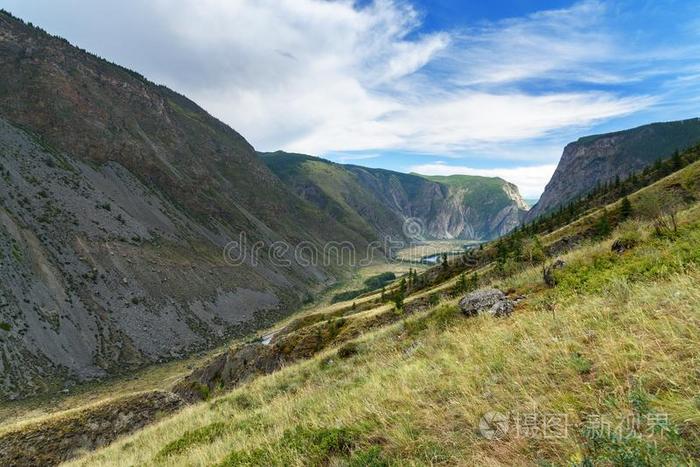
(492, 301)
(502, 308)
(549, 276)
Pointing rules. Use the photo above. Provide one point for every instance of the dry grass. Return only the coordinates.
(611, 339)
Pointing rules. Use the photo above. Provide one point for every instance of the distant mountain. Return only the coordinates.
(376, 202)
(599, 159)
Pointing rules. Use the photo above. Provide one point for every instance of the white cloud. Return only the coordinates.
(568, 43)
(530, 180)
(317, 77)
(325, 77)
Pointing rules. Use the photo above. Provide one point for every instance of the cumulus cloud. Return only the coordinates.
(530, 180)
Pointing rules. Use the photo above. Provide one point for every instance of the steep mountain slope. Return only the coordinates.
(377, 202)
(489, 201)
(589, 369)
(601, 158)
(119, 204)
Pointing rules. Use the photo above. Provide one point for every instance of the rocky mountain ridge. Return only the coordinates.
(600, 159)
(127, 221)
(136, 228)
(378, 202)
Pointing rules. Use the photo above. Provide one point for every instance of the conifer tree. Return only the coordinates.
(625, 208)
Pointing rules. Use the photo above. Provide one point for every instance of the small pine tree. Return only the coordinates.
(676, 161)
(602, 226)
(625, 208)
(474, 282)
(445, 265)
(461, 285)
(400, 294)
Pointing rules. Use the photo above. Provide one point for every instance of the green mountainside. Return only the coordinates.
(377, 202)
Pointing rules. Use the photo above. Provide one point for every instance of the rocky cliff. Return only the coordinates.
(602, 158)
(379, 203)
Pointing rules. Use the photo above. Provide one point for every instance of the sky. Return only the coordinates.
(494, 88)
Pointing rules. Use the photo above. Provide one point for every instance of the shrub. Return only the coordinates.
(348, 350)
(581, 364)
(204, 435)
(370, 457)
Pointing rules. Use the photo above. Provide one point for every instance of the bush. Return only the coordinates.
(370, 457)
(348, 350)
(204, 435)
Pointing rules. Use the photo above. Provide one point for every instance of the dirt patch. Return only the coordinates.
(63, 437)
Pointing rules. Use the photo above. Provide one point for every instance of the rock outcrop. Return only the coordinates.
(491, 301)
(59, 438)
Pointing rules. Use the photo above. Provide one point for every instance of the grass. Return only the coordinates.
(16, 414)
(614, 340)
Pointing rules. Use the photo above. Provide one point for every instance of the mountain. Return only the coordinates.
(599, 159)
(124, 211)
(376, 203)
(599, 315)
(484, 204)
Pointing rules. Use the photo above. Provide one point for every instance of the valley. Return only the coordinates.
(172, 295)
(430, 336)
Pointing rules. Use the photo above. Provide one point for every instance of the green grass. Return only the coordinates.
(370, 284)
(615, 338)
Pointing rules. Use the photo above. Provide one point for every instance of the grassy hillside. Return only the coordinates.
(604, 354)
(481, 191)
(612, 341)
(337, 192)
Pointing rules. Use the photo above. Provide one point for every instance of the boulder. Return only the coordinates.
(493, 301)
(502, 308)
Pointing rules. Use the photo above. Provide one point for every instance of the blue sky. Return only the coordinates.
(438, 87)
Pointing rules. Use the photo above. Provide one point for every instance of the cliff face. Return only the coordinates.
(377, 203)
(602, 158)
(119, 203)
